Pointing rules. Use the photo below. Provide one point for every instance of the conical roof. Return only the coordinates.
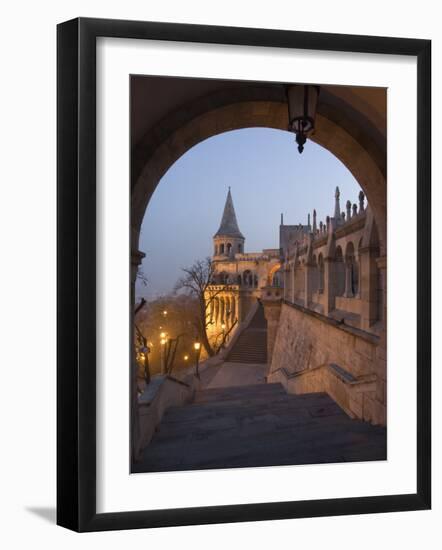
(229, 225)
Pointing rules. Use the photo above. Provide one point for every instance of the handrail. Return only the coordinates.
(338, 371)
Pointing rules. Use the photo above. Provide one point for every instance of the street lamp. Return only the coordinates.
(197, 348)
(144, 357)
(163, 352)
(302, 101)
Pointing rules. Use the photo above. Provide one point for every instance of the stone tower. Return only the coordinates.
(228, 240)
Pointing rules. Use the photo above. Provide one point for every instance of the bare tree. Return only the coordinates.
(141, 276)
(197, 281)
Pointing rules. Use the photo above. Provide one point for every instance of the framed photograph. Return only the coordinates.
(232, 343)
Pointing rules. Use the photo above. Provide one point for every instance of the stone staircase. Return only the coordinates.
(251, 346)
(259, 425)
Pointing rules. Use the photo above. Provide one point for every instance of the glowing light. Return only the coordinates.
(186, 357)
(163, 335)
(197, 345)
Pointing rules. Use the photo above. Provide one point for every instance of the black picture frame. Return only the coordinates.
(76, 271)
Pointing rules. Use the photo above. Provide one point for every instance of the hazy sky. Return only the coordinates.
(267, 176)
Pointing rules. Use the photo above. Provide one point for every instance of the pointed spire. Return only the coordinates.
(315, 227)
(348, 207)
(282, 219)
(361, 201)
(337, 214)
(308, 221)
(229, 225)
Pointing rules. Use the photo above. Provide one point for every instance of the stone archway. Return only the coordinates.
(343, 127)
(348, 124)
(272, 272)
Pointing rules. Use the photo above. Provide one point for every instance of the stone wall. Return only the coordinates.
(309, 347)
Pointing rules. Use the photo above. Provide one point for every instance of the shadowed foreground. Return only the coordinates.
(259, 425)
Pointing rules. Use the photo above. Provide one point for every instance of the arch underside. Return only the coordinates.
(353, 141)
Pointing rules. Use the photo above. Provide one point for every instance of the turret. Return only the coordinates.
(228, 240)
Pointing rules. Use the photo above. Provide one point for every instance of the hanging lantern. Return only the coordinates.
(302, 101)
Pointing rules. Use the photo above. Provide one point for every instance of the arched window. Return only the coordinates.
(276, 281)
(221, 248)
(216, 250)
(339, 272)
(315, 275)
(351, 279)
(240, 248)
(358, 264)
(247, 278)
(229, 248)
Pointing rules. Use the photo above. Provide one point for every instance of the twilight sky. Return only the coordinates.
(267, 176)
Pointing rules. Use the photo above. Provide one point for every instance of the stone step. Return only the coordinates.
(251, 346)
(246, 410)
(259, 425)
(233, 392)
(251, 360)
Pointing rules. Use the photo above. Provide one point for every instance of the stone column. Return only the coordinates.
(135, 261)
(308, 271)
(210, 311)
(369, 287)
(358, 295)
(233, 309)
(329, 285)
(382, 267)
(216, 308)
(320, 278)
(239, 307)
(381, 351)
